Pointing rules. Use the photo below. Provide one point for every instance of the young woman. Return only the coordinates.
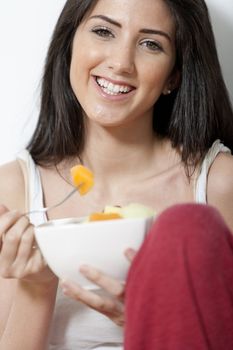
(133, 90)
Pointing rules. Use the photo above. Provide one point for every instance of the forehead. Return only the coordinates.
(133, 13)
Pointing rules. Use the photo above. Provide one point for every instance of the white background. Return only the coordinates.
(25, 29)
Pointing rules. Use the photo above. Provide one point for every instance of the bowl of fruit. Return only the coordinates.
(99, 240)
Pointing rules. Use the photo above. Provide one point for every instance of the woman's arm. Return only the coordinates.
(27, 286)
(7, 290)
(28, 320)
(220, 187)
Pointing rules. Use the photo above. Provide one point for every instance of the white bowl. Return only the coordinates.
(68, 243)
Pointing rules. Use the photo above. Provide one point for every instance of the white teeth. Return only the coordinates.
(110, 88)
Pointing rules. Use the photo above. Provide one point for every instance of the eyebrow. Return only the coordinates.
(143, 30)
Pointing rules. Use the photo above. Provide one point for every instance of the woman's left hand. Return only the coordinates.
(111, 304)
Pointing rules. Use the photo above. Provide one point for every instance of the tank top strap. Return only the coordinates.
(201, 181)
(33, 186)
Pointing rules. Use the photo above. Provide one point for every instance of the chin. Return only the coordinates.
(107, 120)
(109, 123)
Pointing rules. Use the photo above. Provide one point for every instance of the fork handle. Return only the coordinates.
(44, 210)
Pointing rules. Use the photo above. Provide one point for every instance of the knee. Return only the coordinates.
(183, 235)
(185, 220)
(187, 226)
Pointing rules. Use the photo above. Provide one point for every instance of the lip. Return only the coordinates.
(119, 97)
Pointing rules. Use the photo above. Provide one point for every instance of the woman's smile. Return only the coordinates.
(115, 90)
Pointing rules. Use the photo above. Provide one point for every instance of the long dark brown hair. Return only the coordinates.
(193, 116)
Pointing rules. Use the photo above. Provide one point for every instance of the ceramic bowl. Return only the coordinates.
(68, 243)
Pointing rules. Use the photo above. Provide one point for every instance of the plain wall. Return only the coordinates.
(25, 29)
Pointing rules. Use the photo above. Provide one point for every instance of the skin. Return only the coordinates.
(119, 134)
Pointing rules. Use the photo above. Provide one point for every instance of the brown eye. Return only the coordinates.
(152, 45)
(103, 32)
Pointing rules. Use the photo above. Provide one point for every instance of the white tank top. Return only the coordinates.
(75, 326)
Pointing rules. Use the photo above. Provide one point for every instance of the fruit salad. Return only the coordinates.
(132, 210)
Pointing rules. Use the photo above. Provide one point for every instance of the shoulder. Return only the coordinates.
(12, 187)
(220, 179)
(220, 186)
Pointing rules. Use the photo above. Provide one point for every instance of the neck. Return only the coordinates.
(123, 160)
(113, 150)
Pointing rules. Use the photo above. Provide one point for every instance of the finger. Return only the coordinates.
(12, 240)
(3, 209)
(130, 254)
(8, 219)
(25, 248)
(111, 285)
(97, 302)
(35, 263)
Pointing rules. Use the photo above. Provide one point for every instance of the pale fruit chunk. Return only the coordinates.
(133, 210)
(82, 178)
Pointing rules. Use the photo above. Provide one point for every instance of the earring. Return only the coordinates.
(167, 92)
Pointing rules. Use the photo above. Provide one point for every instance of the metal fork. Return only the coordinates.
(44, 210)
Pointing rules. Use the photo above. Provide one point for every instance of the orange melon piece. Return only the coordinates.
(104, 216)
(82, 178)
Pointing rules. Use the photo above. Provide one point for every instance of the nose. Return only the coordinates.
(122, 59)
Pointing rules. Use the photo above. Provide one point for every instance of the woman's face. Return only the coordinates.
(122, 60)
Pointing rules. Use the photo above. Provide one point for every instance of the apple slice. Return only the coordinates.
(132, 210)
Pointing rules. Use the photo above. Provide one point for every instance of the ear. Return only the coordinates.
(172, 83)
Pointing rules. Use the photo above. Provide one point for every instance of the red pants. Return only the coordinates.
(179, 293)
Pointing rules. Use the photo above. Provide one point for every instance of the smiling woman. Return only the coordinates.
(133, 91)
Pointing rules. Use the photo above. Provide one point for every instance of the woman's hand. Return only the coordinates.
(19, 256)
(111, 304)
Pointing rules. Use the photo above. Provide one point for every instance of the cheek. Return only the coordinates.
(83, 66)
(77, 62)
(156, 76)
